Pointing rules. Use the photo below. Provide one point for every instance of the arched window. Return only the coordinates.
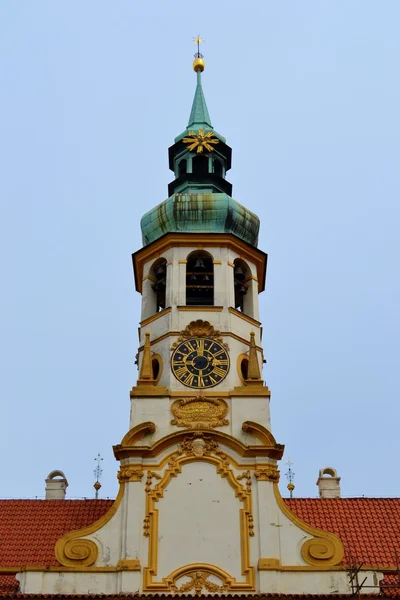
(182, 167)
(200, 164)
(243, 287)
(217, 167)
(158, 273)
(200, 279)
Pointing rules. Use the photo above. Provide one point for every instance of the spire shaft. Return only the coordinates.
(199, 115)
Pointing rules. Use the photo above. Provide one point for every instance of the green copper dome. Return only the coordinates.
(200, 213)
(200, 197)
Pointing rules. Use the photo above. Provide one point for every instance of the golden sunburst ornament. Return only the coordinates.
(200, 140)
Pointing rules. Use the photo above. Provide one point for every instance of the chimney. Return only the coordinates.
(56, 486)
(328, 483)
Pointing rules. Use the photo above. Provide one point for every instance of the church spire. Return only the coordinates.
(199, 115)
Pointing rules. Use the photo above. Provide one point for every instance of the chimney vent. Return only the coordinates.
(328, 483)
(56, 486)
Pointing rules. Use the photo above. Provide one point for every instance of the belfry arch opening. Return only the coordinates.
(182, 167)
(158, 274)
(243, 287)
(217, 167)
(200, 279)
(200, 165)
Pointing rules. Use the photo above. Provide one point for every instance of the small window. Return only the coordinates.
(243, 368)
(156, 367)
(200, 279)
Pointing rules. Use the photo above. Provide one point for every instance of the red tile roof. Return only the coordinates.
(29, 529)
(368, 527)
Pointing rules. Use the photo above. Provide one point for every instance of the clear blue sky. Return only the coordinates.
(307, 94)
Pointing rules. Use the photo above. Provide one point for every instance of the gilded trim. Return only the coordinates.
(197, 412)
(178, 333)
(243, 316)
(324, 549)
(241, 357)
(182, 262)
(160, 360)
(129, 564)
(200, 240)
(158, 315)
(129, 473)
(193, 448)
(217, 262)
(73, 551)
(200, 308)
(267, 473)
(127, 449)
(260, 432)
(153, 279)
(231, 264)
(137, 433)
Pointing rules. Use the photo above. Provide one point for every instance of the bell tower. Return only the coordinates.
(198, 509)
(200, 273)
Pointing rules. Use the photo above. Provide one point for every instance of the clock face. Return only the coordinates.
(200, 362)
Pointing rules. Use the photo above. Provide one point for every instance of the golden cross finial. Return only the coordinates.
(198, 40)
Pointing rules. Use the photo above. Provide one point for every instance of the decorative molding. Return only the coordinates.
(148, 390)
(150, 476)
(129, 564)
(324, 549)
(206, 240)
(198, 581)
(150, 277)
(241, 315)
(182, 262)
(78, 552)
(251, 390)
(268, 473)
(199, 328)
(156, 316)
(128, 449)
(268, 564)
(137, 433)
(73, 551)
(128, 473)
(199, 446)
(200, 413)
(217, 262)
(247, 476)
(164, 336)
(200, 308)
(260, 432)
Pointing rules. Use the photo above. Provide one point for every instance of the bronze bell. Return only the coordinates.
(199, 264)
(239, 273)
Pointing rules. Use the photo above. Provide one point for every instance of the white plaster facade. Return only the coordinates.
(194, 502)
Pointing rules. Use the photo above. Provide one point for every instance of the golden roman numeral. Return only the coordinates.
(219, 352)
(213, 381)
(189, 345)
(180, 372)
(221, 372)
(201, 382)
(189, 379)
(200, 347)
